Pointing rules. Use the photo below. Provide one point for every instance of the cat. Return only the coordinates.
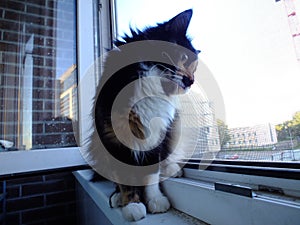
(127, 129)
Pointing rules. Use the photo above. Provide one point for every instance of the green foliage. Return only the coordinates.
(223, 133)
(289, 129)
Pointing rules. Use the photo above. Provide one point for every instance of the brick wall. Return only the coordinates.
(37, 46)
(2, 203)
(43, 199)
(55, 132)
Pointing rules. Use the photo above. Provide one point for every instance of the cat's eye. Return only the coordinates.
(184, 57)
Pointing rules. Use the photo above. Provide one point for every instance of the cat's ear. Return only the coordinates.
(179, 23)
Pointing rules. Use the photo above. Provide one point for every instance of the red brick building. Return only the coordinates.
(37, 46)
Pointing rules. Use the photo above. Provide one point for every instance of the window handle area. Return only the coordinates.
(234, 189)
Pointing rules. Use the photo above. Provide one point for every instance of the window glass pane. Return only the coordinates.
(38, 74)
(252, 50)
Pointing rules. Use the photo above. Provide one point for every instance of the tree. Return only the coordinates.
(289, 129)
(295, 128)
(223, 133)
(296, 119)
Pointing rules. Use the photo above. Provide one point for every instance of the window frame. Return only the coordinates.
(20, 163)
(279, 177)
(215, 206)
(250, 173)
(285, 170)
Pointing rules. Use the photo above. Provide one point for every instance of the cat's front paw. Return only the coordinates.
(134, 211)
(158, 204)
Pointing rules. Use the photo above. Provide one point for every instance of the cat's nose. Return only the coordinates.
(187, 81)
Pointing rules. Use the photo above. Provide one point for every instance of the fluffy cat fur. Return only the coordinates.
(158, 136)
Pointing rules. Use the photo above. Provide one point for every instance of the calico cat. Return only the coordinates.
(127, 129)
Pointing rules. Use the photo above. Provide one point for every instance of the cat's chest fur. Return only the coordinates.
(153, 110)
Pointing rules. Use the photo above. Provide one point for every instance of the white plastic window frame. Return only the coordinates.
(22, 162)
(195, 195)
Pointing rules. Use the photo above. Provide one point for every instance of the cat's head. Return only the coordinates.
(181, 61)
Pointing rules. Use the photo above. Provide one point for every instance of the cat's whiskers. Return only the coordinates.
(169, 57)
(166, 68)
(181, 71)
(165, 73)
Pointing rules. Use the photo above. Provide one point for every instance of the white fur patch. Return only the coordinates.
(155, 110)
(156, 201)
(116, 200)
(134, 211)
(171, 170)
(158, 204)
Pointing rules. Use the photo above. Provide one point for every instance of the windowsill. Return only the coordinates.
(100, 192)
(24, 162)
(218, 207)
(200, 199)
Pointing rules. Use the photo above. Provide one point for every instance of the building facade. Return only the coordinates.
(255, 136)
(199, 123)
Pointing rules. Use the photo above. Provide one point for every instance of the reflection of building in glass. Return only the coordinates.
(198, 120)
(68, 93)
(37, 42)
(259, 135)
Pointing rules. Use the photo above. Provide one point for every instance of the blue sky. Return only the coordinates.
(247, 46)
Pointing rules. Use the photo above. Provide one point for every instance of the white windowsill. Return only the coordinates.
(100, 191)
(221, 208)
(201, 200)
(15, 162)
